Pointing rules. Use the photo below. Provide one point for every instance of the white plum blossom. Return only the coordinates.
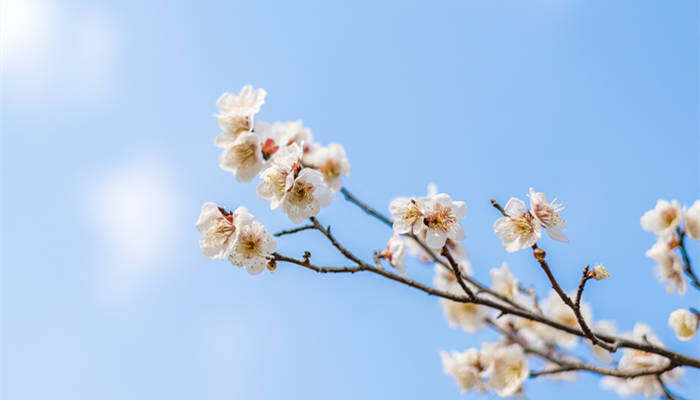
(664, 217)
(252, 247)
(506, 368)
(395, 253)
(504, 282)
(305, 195)
(332, 162)
(691, 217)
(295, 132)
(636, 360)
(684, 323)
(556, 310)
(605, 327)
(518, 229)
(408, 215)
(669, 266)
(547, 214)
(440, 217)
(465, 368)
(236, 113)
(219, 229)
(599, 273)
(280, 174)
(243, 157)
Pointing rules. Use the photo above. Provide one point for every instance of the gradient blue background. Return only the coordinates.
(593, 102)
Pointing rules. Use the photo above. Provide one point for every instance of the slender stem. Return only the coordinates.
(457, 271)
(573, 365)
(686, 260)
(581, 286)
(294, 230)
(677, 359)
(540, 257)
(386, 220)
(369, 210)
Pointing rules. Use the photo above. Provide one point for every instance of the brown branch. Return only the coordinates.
(331, 238)
(677, 359)
(457, 271)
(514, 309)
(667, 393)
(540, 255)
(686, 260)
(369, 210)
(581, 286)
(294, 230)
(386, 220)
(570, 365)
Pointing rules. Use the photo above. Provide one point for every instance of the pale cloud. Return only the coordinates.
(51, 53)
(136, 211)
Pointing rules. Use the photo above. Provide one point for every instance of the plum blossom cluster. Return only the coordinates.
(670, 223)
(234, 235)
(496, 366)
(520, 228)
(299, 177)
(297, 174)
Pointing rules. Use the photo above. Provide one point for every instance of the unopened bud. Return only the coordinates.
(539, 254)
(598, 273)
(271, 265)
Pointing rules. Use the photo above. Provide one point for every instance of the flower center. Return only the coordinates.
(249, 245)
(330, 169)
(244, 155)
(302, 193)
(440, 219)
(668, 216)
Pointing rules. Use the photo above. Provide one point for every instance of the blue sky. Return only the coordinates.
(107, 156)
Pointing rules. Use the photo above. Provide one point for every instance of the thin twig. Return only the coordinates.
(571, 365)
(431, 253)
(677, 359)
(686, 260)
(294, 230)
(457, 271)
(581, 286)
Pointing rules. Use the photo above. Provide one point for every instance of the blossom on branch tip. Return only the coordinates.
(219, 229)
(684, 323)
(243, 157)
(547, 214)
(518, 229)
(598, 272)
(691, 217)
(440, 217)
(252, 247)
(305, 195)
(664, 217)
(236, 113)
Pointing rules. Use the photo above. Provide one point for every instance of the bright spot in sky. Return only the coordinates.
(134, 210)
(24, 28)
